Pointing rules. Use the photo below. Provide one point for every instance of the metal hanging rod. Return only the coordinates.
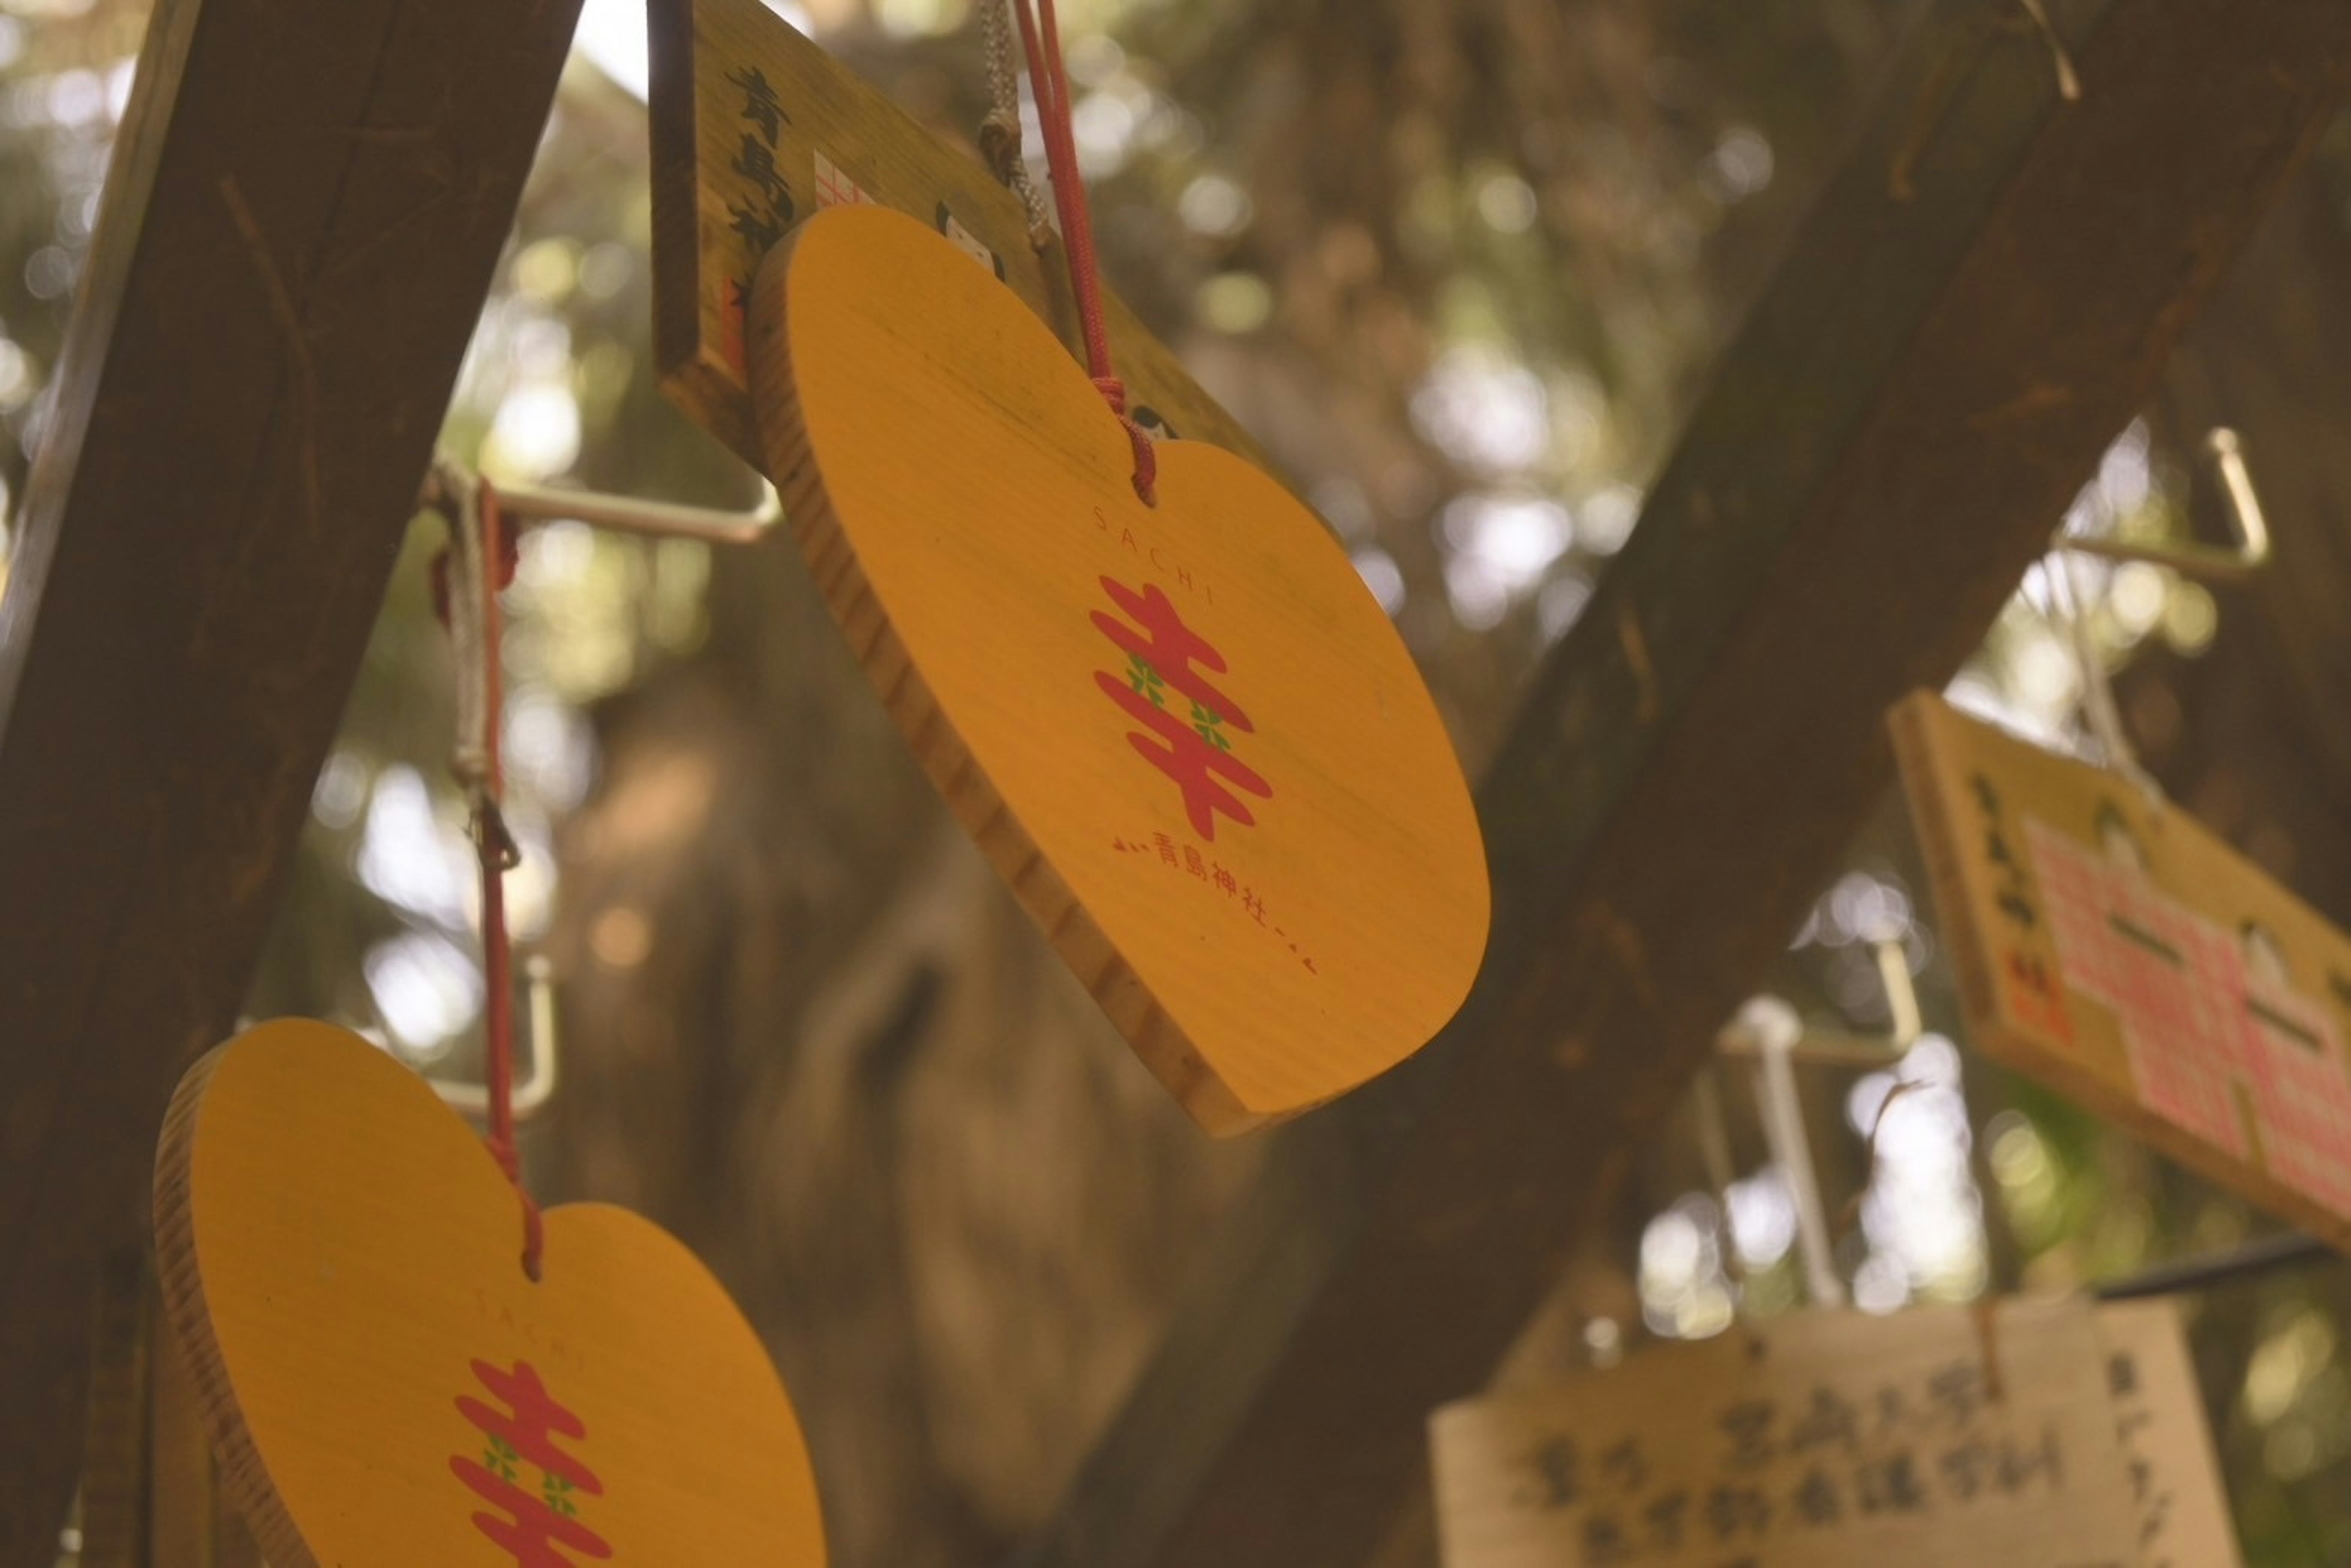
(635, 514)
(1752, 1032)
(2270, 1254)
(1769, 1033)
(538, 1088)
(623, 514)
(2226, 452)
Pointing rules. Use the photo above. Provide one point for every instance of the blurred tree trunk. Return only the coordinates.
(806, 1028)
(804, 1025)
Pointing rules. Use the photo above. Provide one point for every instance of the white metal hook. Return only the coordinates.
(2225, 450)
(537, 1087)
(623, 514)
(635, 514)
(1768, 1031)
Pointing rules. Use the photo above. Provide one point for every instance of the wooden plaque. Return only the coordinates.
(1186, 733)
(2176, 1487)
(756, 129)
(2118, 951)
(1936, 1437)
(383, 1384)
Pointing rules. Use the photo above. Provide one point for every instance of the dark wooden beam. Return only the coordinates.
(299, 226)
(1983, 297)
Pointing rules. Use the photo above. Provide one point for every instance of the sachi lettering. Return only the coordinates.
(537, 1528)
(1187, 723)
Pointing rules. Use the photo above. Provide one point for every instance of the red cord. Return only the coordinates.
(1049, 79)
(497, 554)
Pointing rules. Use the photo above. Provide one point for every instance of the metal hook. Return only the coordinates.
(532, 1096)
(2069, 81)
(623, 514)
(2225, 449)
(2099, 703)
(1774, 1029)
(1768, 1031)
(634, 514)
(1744, 1037)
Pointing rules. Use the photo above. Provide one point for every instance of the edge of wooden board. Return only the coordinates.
(947, 759)
(238, 1463)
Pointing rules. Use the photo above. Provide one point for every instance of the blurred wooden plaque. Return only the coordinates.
(1185, 732)
(756, 129)
(1937, 1438)
(2175, 1488)
(2120, 952)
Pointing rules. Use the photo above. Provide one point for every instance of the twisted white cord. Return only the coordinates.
(1000, 132)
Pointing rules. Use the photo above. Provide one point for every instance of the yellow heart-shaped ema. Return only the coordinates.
(1186, 734)
(385, 1387)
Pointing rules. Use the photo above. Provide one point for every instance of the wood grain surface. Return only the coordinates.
(756, 129)
(2115, 949)
(383, 1384)
(300, 217)
(1186, 733)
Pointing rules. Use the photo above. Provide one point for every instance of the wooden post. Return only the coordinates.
(300, 222)
(1981, 300)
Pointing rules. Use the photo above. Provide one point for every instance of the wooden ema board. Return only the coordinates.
(2118, 951)
(1186, 733)
(1936, 1438)
(383, 1383)
(1244, 973)
(756, 129)
(2183, 1511)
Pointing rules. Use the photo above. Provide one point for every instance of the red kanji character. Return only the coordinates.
(2035, 998)
(1166, 847)
(1167, 655)
(1253, 905)
(1193, 863)
(1227, 884)
(532, 1527)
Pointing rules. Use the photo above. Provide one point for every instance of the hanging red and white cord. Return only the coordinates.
(1049, 81)
(467, 581)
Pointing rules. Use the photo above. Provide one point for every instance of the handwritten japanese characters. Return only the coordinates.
(2176, 1492)
(2117, 950)
(756, 129)
(759, 204)
(1936, 1438)
(385, 1386)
